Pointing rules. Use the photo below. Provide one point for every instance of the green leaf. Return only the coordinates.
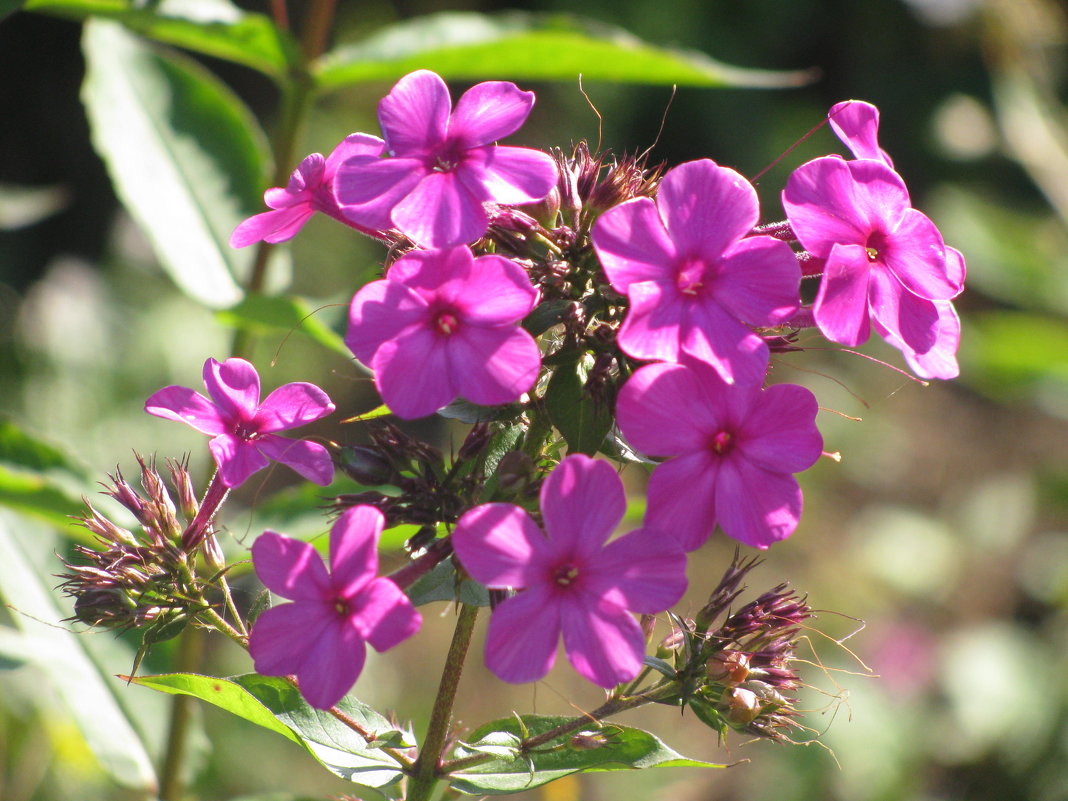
(186, 157)
(440, 585)
(282, 313)
(583, 422)
(62, 656)
(9, 7)
(38, 479)
(1014, 354)
(276, 705)
(214, 27)
(523, 46)
(608, 747)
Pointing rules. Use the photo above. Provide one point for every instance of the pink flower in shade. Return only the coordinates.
(442, 165)
(444, 324)
(310, 189)
(733, 450)
(243, 429)
(571, 581)
(695, 281)
(320, 637)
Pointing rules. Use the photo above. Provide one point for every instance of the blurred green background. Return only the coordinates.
(944, 528)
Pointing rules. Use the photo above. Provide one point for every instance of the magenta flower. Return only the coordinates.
(856, 123)
(243, 429)
(442, 165)
(444, 324)
(733, 450)
(695, 281)
(310, 189)
(320, 637)
(571, 582)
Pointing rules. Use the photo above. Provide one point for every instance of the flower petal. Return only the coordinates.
(292, 405)
(331, 665)
(415, 114)
(916, 255)
(500, 546)
(493, 365)
(382, 311)
(383, 614)
(941, 360)
(489, 111)
(913, 320)
(732, 349)
(412, 374)
(508, 174)
(234, 385)
(523, 634)
(272, 226)
(354, 549)
(779, 432)
(759, 281)
(705, 207)
(290, 568)
(654, 322)
(582, 502)
(189, 407)
(682, 498)
(283, 636)
(367, 188)
(856, 123)
(642, 571)
(310, 459)
(357, 144)
(841, 307)
(820, 202)
(237, 459)
(662, 411)
(440, 212)
(755, 506)
(604, 643)
(633, 244)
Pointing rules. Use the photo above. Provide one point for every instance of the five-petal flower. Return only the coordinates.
(441, 164)
(695, 280)
(243, 429)
(320, 637)
(310, 189)
(572, 582)
(444, 324)
(733, 451)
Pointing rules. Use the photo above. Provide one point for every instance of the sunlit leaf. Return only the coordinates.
(86, 693)
(213, 27)
(276, 705)
(186, 158)
(593, 748)
(284, 315)
(521, 46)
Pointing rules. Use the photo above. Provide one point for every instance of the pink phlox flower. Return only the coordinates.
(310, 189)
(571, 581)
(857, 124)
(695, 280)
(320, 637)
(441, 165)
(732, 451)
(242, 428)
(444, 324)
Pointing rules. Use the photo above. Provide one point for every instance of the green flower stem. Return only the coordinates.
(190, 650)
(426, 771)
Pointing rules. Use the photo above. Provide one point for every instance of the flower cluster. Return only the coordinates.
(634, 311)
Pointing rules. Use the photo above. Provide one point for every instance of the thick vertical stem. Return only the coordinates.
(190, 649)
(425, 770)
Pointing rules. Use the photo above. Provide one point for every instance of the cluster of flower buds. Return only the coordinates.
(139, 580)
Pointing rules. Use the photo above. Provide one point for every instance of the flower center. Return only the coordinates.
(246, 431)
(875, 245)
(690, 277)
(446, 323)
(722, 443)
(565, 574)
(447, 159)
(873, 254)
(341, 606)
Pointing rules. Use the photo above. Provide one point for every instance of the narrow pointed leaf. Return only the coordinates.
(185, 156)
(610, 747)
(520, 46)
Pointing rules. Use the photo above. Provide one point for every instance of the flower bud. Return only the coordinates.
(362, 464)
(728, 667)
(741, 706)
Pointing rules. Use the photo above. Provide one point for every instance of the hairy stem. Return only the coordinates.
(425, 772)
